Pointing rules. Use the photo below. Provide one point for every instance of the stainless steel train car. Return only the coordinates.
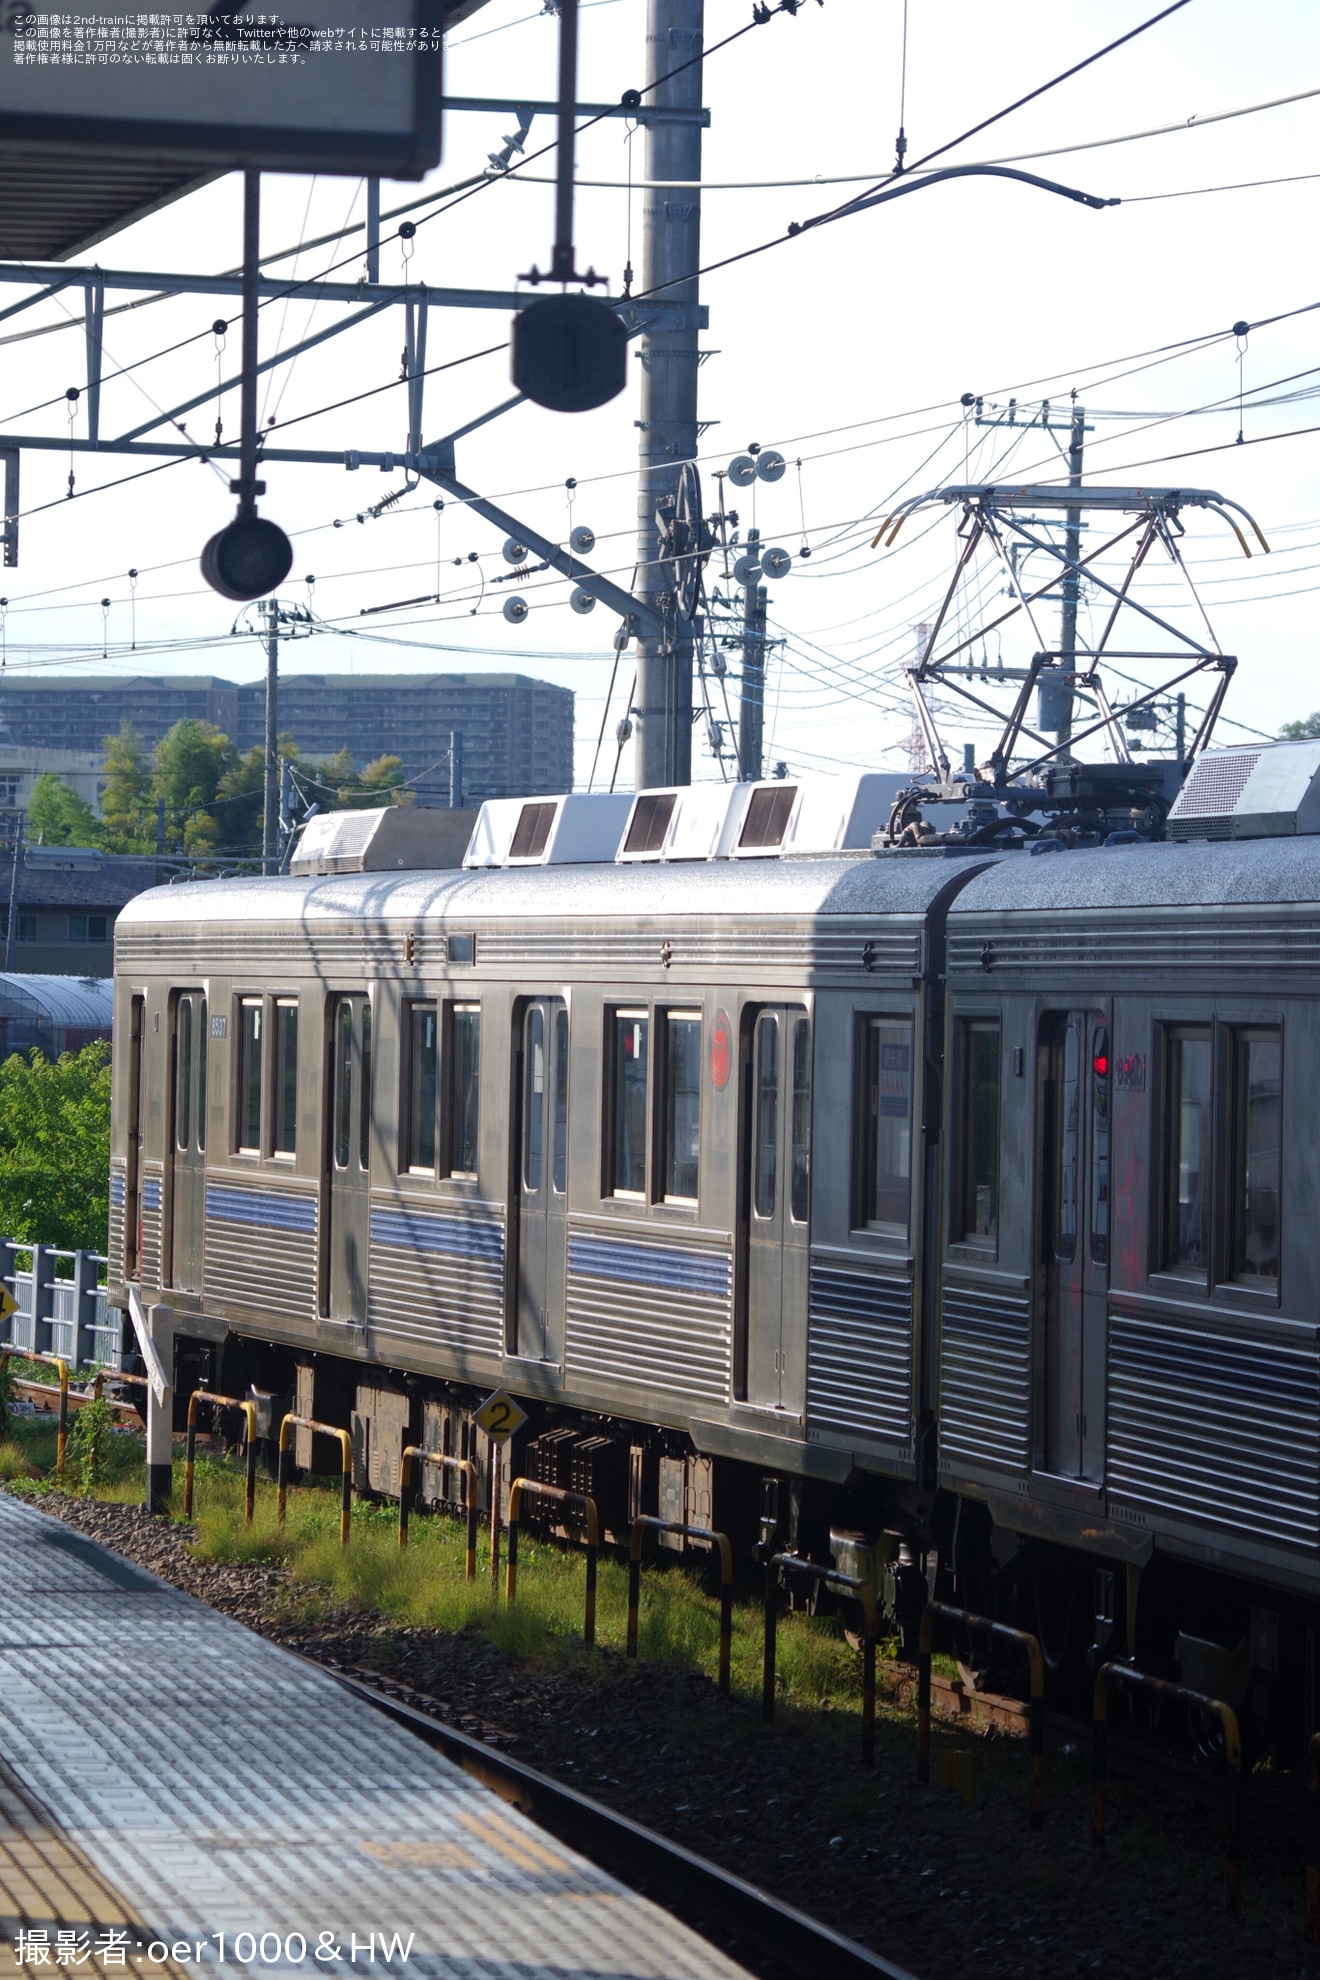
(927, 1208)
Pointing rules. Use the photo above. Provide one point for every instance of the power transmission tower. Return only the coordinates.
(669, 358)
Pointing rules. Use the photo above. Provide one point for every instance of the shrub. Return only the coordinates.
(89, 1442)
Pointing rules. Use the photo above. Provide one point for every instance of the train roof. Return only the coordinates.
(1200, 873)
(865, 884)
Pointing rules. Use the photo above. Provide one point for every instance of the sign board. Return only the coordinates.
(499, 1416)
(317, 91)
(8, 1304)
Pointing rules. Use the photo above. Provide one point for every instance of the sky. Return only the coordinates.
(848, 348)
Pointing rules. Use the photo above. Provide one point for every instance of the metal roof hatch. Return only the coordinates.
(1268, 791)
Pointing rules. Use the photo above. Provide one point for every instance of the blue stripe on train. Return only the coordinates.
(117, 1185)
(649, 1265)
(151, 1193)
(261, 1207)
(457, 1237)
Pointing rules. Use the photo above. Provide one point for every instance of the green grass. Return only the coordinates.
(423, 1586)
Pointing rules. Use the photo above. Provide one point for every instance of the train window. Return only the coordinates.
(978, 1204)
(533, 831)
(343, 1082)
(249, 1076)
(765, 1173)
(285, 1137)
(421, 1033)
(1187, 1151)
(650, 821)
(884, 1130)
(203, 1028)
(183, 1073)
(799, 1198)
(630, 1068)
(682, 1104)
(1069, 1141)
(1257, 1154)
(464, 1089)
(560, 1171)
(364, 1114)
(1100, 1145)
(533, 1097)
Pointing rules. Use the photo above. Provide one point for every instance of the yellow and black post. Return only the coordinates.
(346, 1479)
(648, 1523)
(446, 1463)
(1024, 1640)
(588, 1506)
(845, 1584)
(249, 1409)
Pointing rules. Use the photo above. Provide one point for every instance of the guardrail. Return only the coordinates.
(66, 1315)
(1129, 1679)
(564, 1498)
(1036, 1668)
(249, 1410)
(848, 1584)
(292, 1421)
(648, 1523)
(56, 1361)
(469, 1470)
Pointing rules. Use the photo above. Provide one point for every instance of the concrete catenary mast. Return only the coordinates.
(671, 251)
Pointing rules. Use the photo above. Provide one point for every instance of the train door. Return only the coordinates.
(346, 1219)
(777, 1145)
(542, 1179)
(137, 1023)
(1073, 1094)
(187, 1141)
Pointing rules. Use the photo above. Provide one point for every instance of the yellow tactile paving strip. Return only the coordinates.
(47, 1885)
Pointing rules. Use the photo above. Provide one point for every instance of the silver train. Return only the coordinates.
(924, 1208)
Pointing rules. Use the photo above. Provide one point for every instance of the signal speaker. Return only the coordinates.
(247, 558)
(570, 353)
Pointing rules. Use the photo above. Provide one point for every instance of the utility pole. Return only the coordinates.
(671, 254)
(1057, 700)
(751, 708)
(270, 844)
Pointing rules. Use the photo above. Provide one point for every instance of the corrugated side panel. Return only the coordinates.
(436, 1277)
(1219, 945)
(261, 1248)
(650, 1310)
(153, 1192)
(859, 1355)
(985, 1396)
(114, 1245)
(1213, 1426)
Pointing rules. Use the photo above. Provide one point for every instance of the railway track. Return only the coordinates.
(772, 1939)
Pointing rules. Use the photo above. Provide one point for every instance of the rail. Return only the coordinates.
(295, 1422)
(55, 1361)
(1129, 1679)
(469, 1470)
(564, 1498)
(1036, 1667)
(249, 1410)
(648, 1523)
(847, 1584)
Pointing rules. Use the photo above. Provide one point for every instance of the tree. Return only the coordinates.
(55, 1148)
(125, 823)
(338, 786)
(1298, 731)
(57, 816)
(240, 796)
(191, 760)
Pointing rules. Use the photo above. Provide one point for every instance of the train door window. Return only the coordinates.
(203, 1031)
(364, 1111)
(1187, 1151)
(343, 1082)
(630, 1061)
(463, 1070)
(1256, 1155)
(183, 1062)
(1100, 1145)
(249, 1075)
(799, 1195)
(421, 1031)
(1069, 1140)
(883, 1059)
(977, 1221)
(559, 1169)
(766, 1133)
(133, 1190)
(682, 1114)
(533, 1098)
(284, 1139)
